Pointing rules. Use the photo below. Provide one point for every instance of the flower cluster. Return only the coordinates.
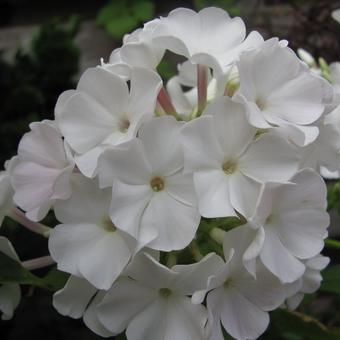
(136, 170)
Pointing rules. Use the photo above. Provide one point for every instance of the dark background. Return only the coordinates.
(44, 47)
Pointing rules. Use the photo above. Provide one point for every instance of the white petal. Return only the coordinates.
(264, 162)
(212, 189)
(201, 148)
(233, 131)
(123, 301)
(149, 272)
(87, 204)
(279, 260)
(302, 231)
(244, 193)
(10, 295)
(126, 162)
(105, 260)
(85, 123)
(164, 156)
(73, 299)
(107, 89)
(241, 318)
(127, 208)
(43, 145)
(145, 85)
(181, 188)
(175, 222)
(91, 319)
(194, 277)
(265, 292)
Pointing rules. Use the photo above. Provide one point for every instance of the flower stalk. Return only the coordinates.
(39, 262)
(36, 227)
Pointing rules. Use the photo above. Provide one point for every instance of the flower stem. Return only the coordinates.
(166, 104)
(334, 244)
(202, 87)
(38, 228)
(39, 262)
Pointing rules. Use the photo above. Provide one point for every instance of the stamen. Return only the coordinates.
(157, 184)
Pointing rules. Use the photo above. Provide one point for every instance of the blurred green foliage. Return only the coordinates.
(119, 17)
(31, 83)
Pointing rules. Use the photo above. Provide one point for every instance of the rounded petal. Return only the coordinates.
(74, 297)
(212, 188)
(279, 260)
(160, 138)
(270, 158)
(122, 302)
(176, 223)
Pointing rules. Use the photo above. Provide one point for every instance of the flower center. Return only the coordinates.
(269, 219)
(157, 184)
(228, 283)
(165, 292)
(261, 103)
(229, 167)
(124, 125)
(108, 225)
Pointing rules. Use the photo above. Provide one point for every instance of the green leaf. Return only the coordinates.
(121, 25)
(143, 10)
(288, 325)
(11, 271)
(331, 280)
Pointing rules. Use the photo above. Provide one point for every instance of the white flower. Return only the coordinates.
(6, 189)
(138, 49)
(42, 174)
(10, 293)
(336, 15)
(103, 111)
(289, 225)
(334, 73)
(209, 37)
(79, 299)
(152, 200)
(152, 303)
(228, 164)
(186, 102)
(279, 91)
(238, 301)
(324, 152)
(310, 281)
(88, 244)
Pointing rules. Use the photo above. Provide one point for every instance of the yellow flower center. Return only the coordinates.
(229, 167)
(157, 184)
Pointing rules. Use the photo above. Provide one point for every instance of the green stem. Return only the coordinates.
(333, 244)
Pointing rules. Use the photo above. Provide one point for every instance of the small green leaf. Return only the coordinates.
(143, 10)
(121, 25)
(11, 271)
(331, 280)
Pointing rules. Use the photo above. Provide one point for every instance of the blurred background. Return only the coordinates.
(44, 48)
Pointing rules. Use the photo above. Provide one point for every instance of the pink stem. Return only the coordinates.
(20, 217)
(202, 86)
(165, 102)
(39, 262)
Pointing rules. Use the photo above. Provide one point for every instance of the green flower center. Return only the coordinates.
(165, 292)
(229, 167)
(108, 225)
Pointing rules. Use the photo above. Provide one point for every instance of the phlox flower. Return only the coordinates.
(43, 170)
(104, 111)
(228, 162)
(87, 243)
(152, 200)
